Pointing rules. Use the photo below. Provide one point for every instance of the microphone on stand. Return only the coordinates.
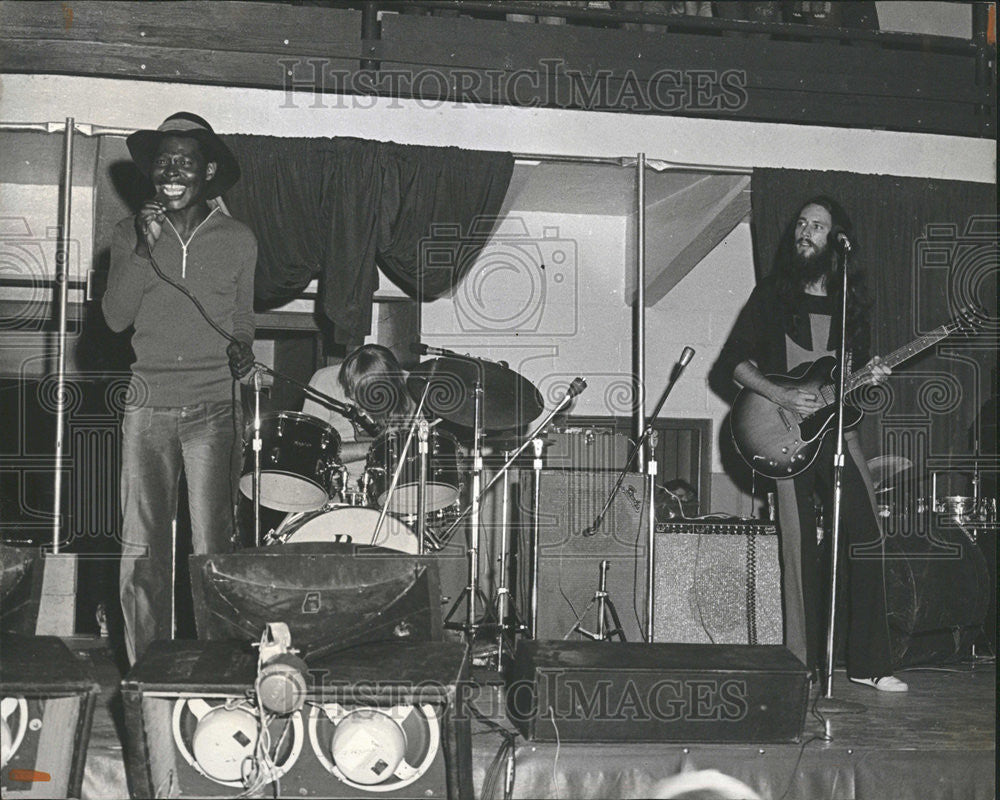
(421, 349)
(362, 419)
(841, 241)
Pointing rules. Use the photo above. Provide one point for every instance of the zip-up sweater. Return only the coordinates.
(180, 359)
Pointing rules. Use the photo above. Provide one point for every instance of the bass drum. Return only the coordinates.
(347, 524)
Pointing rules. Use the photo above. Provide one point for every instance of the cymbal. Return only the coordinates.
(509, 400)
(885, 468)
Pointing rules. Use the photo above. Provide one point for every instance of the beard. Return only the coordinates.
(812, 266)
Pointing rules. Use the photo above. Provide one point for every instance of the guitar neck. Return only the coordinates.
(859, 378)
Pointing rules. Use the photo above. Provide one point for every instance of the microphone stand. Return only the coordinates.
(647, 431)
(827, 703)
(351, 412)
(257, 446)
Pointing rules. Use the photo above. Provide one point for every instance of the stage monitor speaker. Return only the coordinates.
(332, 596)
(47, 698)
(569, 556)
(634, 692)
(379, 720)
(717, 583)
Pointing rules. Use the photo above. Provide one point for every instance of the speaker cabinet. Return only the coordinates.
(47, 699)
(332, 596)
(569, 555)
(717, 583)
(380, 720)
(633, 692)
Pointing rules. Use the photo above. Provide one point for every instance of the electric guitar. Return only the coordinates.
(780, 443)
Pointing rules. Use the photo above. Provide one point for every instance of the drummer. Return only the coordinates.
(371, 378)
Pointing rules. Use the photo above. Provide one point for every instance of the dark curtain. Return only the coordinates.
(338, 208)
(929, 248)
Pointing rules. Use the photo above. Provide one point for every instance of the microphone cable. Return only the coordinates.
(187, 293)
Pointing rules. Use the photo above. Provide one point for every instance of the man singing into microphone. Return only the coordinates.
(182, 410)
(792, 317)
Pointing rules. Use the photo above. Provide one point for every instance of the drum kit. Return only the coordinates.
(412, 494)
(970, 513)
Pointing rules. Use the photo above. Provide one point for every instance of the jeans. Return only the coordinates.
(205, 442)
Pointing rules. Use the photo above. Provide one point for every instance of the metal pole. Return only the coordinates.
(828, 703)
(651, 469)
(639, 334)
(423, 433)
(474, 520)
(536, 515)
(62, 286)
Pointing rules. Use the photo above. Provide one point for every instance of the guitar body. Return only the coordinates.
(776, 442)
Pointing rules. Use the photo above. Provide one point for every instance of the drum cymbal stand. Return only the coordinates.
(504, 602)
(472, 590)
(577, 386)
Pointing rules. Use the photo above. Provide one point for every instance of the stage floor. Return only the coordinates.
(935, 742)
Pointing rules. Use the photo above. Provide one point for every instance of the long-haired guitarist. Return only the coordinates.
(791, 319)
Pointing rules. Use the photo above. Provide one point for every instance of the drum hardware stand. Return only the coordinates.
(423, 429)
(504, 602)
(413, 427)
(257, 446)
(605, 608)
(578, 385)
(472, 590)
(827, 703)
(536, 496)
(651, 470)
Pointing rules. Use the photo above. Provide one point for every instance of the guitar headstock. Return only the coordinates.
(968, 320)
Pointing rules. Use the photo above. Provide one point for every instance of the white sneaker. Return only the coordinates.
(887, 683)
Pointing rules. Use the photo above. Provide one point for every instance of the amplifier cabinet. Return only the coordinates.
(379, 720)
(47, 698)
(717, 583)
(570, 552)
(632, 692)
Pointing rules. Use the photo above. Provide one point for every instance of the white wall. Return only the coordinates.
(549, 324)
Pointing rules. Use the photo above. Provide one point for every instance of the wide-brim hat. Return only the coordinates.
(144, 144)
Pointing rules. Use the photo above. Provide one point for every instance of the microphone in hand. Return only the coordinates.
(149, 222)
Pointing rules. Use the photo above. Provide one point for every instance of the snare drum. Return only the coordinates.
(959, 508)
(443, 484)
(347, 524)
(300, 462)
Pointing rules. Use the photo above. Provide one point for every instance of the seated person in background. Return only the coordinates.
(372, 379)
